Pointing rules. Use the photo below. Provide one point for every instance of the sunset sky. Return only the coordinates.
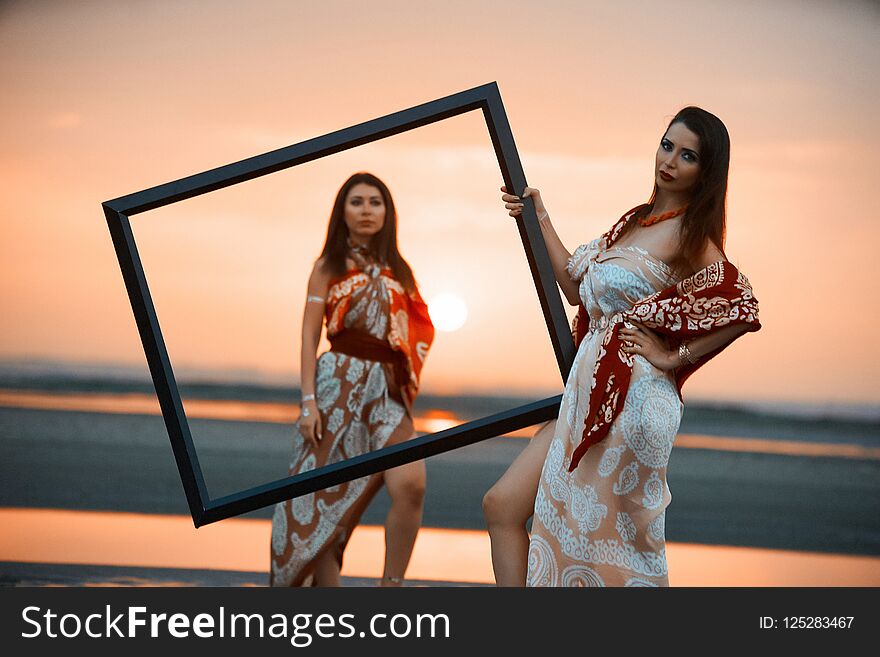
(103, 99)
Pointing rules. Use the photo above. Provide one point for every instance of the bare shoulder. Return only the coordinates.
(710, 253)
(320, 275)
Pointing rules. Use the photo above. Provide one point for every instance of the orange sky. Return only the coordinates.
(102, 99)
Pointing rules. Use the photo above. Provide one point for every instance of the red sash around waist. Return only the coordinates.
(366, 347)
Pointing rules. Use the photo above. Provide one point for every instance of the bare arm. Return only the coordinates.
(559, 255)
(313, 319)
(654, 347)
(704, 344)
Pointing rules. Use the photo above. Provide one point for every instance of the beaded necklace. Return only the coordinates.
(656, 218)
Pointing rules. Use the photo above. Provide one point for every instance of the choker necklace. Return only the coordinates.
(656, 218)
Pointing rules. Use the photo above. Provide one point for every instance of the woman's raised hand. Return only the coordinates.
(310, 425)
(514, 204)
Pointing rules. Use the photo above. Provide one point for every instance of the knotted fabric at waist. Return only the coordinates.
(603, 322)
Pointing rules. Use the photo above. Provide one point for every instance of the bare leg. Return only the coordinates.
(406, 486)
(508, 506)
(327, 570)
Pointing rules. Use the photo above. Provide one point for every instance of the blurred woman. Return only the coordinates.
(358, 396)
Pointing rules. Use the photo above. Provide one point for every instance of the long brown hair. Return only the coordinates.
(706, 216)
(383, 245)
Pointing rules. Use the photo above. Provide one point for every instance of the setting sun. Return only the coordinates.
(448, 312)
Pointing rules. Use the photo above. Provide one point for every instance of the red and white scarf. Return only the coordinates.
(410, 333)
(716, 296)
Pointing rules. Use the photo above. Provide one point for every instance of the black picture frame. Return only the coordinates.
(118, 211)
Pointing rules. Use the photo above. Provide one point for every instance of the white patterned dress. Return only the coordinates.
(603, 524)
(361, 411)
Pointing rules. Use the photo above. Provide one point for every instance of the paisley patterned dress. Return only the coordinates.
(603, 523)
(364, 405)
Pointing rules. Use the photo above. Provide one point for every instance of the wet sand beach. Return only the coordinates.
(785, 507)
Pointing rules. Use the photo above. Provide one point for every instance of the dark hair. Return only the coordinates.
(706, 216)
(383, 245)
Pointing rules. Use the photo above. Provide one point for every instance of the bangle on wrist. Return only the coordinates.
(308, 397)
(685, 355)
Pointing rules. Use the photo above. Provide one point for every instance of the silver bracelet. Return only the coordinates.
(684, 354)
(313, 299)
(309, 397)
